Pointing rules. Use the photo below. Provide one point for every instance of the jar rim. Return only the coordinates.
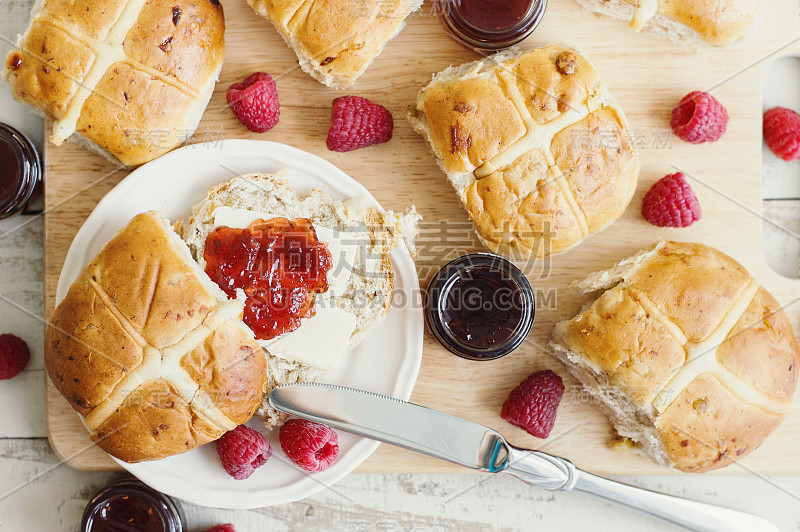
(436, 293)
(493, 39)
(30, 169)
(165, 507)
(533, 5)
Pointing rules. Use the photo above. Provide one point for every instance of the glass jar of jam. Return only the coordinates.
(479, 306)
(129, 504)
(492, 24)
(20, 170)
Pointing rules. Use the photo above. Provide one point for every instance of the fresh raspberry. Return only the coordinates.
(671, 202)
(312, 446)
(242, 451)
(254, 101)
(532, 405)
(699, 118)
(782, 132)
(358, 123)
(14, 355)
(227, 527)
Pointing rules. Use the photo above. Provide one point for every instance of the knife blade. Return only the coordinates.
(396, 422)
(472, 445)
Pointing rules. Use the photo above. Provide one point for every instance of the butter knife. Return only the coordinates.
(472, 445)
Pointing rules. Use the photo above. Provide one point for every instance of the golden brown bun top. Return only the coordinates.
(717, 22)
(336, 40)
(539, 153)
(146, 351)
(131, 76)
(689, 336)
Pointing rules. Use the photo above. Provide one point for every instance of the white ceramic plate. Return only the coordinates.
(386, 362)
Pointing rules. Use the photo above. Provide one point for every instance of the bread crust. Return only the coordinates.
(335, 40)
(701, 438)
(707, 358)
(692, 22)
(131, 77)
(537, 150)
(153, 356)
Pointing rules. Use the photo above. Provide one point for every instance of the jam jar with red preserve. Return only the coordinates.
(20, 170)
(492, 24)
(129, 504)
(479, 306)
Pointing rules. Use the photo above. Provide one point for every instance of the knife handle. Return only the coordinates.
(541, 469)
(555, 474)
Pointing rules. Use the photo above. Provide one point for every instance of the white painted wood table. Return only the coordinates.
(37, 493)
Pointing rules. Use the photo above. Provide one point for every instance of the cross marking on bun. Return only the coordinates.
(336, 40)
(150, 351)
(685, 353)
(536, 148)
(132, 77)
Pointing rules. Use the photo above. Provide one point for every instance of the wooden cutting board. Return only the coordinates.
(647, 75)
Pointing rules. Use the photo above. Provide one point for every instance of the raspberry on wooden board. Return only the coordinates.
(698, 118)
(671, 202)
(532, 405)
(254, 101)
(357, 123)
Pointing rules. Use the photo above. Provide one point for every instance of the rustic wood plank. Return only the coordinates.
(21, 306)
(648, 76)
(39, 493)
(781, 241)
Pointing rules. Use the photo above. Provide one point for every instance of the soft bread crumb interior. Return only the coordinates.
(659, 25)
(368, 292)
(628, 419)
(605, 279)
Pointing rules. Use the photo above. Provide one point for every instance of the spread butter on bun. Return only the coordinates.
(158, 359)
(360, 238)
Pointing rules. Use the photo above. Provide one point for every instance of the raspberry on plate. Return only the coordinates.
(254, 101)
(14, 355)
(782, 132)
(312, 446)
(698, 118)
(357, 123)
(533, 404)
(243, 450)
(671, 202)
(227, 527)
